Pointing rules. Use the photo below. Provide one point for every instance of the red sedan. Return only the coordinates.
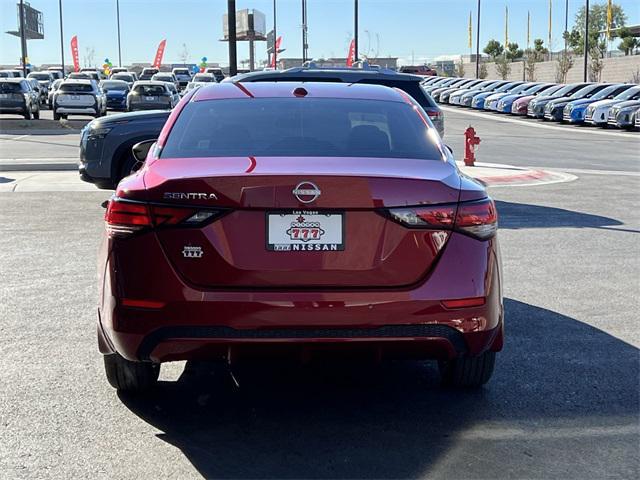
(273, 218)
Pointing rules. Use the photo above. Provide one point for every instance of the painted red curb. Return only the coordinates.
(528, 176)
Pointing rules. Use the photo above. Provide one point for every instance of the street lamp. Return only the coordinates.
(478, 44)
(61, 40)
(355, 31)
(118, 21)
(586, 40)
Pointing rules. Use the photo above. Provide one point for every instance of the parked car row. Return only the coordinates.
(590, 103)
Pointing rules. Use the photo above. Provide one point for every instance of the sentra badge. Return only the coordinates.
(189, 196)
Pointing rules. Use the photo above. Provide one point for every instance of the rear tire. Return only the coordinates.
(56, 116)
(467, 372)
(36, 115)
(27, 114)
(128, 376)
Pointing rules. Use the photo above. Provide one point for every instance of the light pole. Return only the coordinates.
(355, 31)
(61, 39)
(586, 40)
(304, 31)
(118, 21)
(566, 25)
(231, 25)
(478, 44)
(23, 40)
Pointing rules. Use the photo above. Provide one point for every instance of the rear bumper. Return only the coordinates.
(184, 323)
(77, 110)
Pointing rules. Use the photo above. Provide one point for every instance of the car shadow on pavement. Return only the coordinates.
(522, 215)
(395, 421)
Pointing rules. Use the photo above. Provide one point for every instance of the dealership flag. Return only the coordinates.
(506, 27)
(550, 15)
(74, 54)
(352, 51)
(159, 54)
(470, 30)
(276, 49)
(609, 19)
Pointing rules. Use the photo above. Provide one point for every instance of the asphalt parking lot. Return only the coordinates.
(563, 403)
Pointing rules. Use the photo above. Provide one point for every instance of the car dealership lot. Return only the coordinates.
(563, 402)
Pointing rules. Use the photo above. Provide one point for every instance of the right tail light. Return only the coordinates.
(478, 219)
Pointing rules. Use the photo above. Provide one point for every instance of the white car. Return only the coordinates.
(78, 97)
(598, 112)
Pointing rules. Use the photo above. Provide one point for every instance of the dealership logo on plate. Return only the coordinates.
(192, 252)
(305, 231)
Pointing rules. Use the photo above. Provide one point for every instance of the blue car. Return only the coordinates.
(116, 92)
(575, 112)
(505, 103)
(478, 100)
(466, 99)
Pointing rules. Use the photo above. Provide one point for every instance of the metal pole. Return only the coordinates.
(118, 19)
(275, 37)
(23, 40)
(304, 31)
(566, 24)
(231, 20)
(478, 44)
(355, 31)
(586, 40)
(61, 40)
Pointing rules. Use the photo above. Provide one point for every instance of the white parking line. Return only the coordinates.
(623, 173)
(505, 119)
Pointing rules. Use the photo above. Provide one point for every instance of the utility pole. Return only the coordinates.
(275, 37)
(61, 40)
(586, 40)
(304, 31)
(566, 24)
(355, 31)
(478, 44)
(231, 26)
(23, 40)
(118, 21)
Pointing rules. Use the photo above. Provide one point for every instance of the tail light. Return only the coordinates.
(478, 219)
(124, 218)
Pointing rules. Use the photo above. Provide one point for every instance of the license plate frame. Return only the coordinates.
(329, 221)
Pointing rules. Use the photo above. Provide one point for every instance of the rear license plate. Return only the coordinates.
(303, 230)
(150, 99)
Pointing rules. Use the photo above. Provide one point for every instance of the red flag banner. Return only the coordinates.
(276, 49)
(74, 54)
(352, 52)
(159, 54)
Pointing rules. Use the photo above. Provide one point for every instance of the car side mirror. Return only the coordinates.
(141, 150)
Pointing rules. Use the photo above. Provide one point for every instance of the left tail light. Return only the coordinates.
(478, 219)
(124, 218)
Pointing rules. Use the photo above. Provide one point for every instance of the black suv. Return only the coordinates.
(408, 83)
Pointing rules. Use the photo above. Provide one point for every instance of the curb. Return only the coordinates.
(527, 178)
(20, 165)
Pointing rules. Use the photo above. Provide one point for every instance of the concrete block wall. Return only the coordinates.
(617, 69)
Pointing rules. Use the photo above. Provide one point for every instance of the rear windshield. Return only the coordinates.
(163, 78)
(182, 71)
(40, 76)
(112, 85)
(123, 76)
(10, 87)
(203, 78)
(150, 90)
(290, 127)
(75, 87)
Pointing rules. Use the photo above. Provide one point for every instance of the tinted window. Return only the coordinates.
(587, 91)
(114, 85)
(203, 78)
(631, 94)
(75, 87)
(10, 87)
(150, 90)
(293, 127)
(123, 77)
(40, 76)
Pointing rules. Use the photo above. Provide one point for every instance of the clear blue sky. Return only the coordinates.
(402, 28)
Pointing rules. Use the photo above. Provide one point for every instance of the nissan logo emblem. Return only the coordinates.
(306, 192)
